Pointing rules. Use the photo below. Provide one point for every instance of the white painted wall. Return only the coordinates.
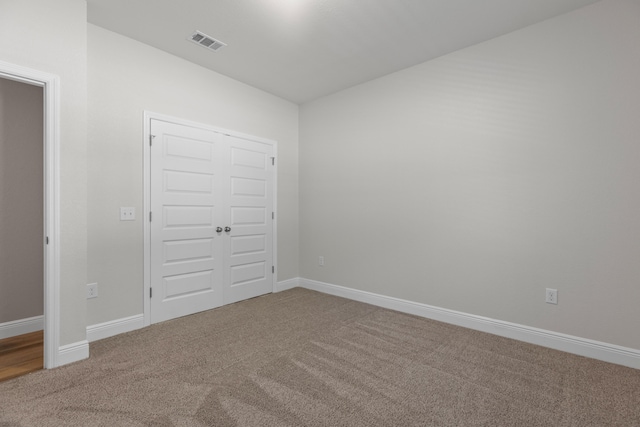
(50, 36)
(474, 181)
(126, 78)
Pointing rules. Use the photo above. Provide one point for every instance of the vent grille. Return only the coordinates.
(206, 41)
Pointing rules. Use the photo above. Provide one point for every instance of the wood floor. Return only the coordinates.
(21, 355)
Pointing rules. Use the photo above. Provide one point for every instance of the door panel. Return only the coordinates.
(243, 215)
(186, 201)
(187, 250)
(250, 258)
(186, 182)
(182, 285)
(249, 244)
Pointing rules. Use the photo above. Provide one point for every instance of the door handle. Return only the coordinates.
(219, 230)
(227, 229)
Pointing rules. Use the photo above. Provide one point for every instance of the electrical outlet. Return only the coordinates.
(551, 296)
(321, 261)
(127, 214)
(92, 290)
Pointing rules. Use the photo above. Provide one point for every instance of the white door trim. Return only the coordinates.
(50, 84)
(148, 116)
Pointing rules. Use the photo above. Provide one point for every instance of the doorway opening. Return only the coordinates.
(29, 213)
(22, 236)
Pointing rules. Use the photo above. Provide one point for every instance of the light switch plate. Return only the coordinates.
(127, 214)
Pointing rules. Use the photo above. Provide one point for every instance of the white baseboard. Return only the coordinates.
(287, 284)
(581, 346)
(114, 327)
(21, 326)
(72, 353)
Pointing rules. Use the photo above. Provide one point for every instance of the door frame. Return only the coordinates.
(146, 137)
(50, 85)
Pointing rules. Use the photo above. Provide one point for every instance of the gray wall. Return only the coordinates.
(474, 181)
(125, 79)
(21, 201)
(51, 36)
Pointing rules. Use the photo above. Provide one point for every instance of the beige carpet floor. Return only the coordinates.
(302, 358)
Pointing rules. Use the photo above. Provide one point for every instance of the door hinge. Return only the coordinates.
(273, 269)
(150, 216)
(46, 240)
(273, 215)
(273, 161)
(151, 139)
(150, 292)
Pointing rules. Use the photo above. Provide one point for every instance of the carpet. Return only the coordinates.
(303, 358)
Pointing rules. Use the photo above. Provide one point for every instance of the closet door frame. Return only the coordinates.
(148, 116)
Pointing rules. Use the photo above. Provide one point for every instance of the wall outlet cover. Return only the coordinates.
(92, 290)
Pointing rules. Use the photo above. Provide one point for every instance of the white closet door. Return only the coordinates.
(187, 204)
(249, 259)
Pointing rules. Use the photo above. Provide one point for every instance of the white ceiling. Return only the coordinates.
(301, 50)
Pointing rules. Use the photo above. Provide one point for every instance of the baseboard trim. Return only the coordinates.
(114, 327)
(571, 344)
(287, 284)
(72, 353)
(21, 326)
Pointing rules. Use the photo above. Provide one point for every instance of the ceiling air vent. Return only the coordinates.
(206, 41)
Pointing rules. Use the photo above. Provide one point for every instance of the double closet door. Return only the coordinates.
(211, 219)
